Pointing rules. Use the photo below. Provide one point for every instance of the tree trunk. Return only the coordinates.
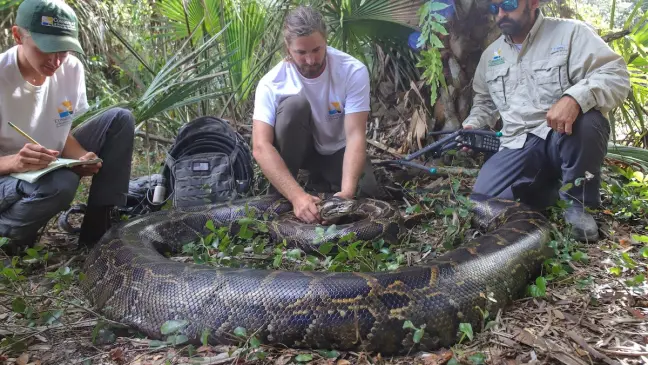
(470, 31)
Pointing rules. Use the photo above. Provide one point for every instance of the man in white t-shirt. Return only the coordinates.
(42, 86)
(310, 112)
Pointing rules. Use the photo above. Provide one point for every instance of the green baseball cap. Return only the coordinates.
(52, 24)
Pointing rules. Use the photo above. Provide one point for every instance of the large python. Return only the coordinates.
(129, 280)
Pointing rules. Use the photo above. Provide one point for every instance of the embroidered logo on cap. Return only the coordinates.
(49, 21)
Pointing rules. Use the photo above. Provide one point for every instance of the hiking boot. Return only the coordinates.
(96, 221)
(584, 227)
(16, 247)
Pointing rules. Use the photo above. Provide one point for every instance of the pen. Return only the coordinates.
(24, 134)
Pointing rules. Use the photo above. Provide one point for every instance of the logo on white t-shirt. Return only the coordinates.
(65, 114)
(335, 111)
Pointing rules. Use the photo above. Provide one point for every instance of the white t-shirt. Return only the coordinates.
(43, 112)
(343, 88)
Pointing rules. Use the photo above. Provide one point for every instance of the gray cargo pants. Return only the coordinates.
(25, 207)
(294, 142)
(533, 173)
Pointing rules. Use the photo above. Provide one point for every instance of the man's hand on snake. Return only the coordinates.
(562, 115)
(305, 208)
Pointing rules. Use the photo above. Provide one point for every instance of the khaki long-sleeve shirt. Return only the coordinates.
(559, 57)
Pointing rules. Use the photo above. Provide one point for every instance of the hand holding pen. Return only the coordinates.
(33, 156)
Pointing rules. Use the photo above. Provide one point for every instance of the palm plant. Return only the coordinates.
(252, 36)
(190, 76)
(634, 49)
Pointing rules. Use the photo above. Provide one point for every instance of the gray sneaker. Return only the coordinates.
(584, 227)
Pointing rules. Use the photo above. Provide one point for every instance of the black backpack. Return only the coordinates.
(209, 162)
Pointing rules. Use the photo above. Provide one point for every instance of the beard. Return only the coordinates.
(311, 71)
(512, 27)
(509, 26)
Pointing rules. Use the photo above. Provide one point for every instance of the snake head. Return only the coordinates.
(336, 207)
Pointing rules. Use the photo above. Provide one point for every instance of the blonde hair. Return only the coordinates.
(303, 21)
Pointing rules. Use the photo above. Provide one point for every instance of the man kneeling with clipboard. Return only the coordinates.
(42, 85)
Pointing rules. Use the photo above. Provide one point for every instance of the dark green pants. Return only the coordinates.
(294, 141)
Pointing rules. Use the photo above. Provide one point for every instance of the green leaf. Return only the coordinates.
(467, 329)
(541, 282)
(435, 6)
(240, 332)
(439, 18)
(254, 342)
(579, 181)
(439, 28)
(177, 339)
(245, 233)
(628, 260)
(477, 359)
(210, 225)
(644, 252)
(51, 317)
(566, 187)
(295, 253)
(616, 271)
(277, 260)
(173, 326)
(418, 334)
(536, 292)
(435, 41)
(643, 239)
(204, 337)
(490, 325)
(18, 305)
(326, 248)
(304, 357)
(636, 281)
(32, 253)
(416, 208)
(453, 361)
(237, 250)
(579, 256)
(408, 324)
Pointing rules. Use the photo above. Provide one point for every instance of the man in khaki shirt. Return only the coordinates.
(553, 82)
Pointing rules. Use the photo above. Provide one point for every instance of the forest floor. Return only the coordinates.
(591, 308)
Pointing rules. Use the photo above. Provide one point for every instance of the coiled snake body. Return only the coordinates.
(129, 280)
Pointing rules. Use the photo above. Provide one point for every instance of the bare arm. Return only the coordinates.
(72, 148)
(7, 165)
(275, 169)
(271, 163)
(355, 127)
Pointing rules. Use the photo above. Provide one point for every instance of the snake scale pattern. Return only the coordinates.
(129, 280)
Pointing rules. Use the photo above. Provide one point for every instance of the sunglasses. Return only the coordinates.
(506, 5)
